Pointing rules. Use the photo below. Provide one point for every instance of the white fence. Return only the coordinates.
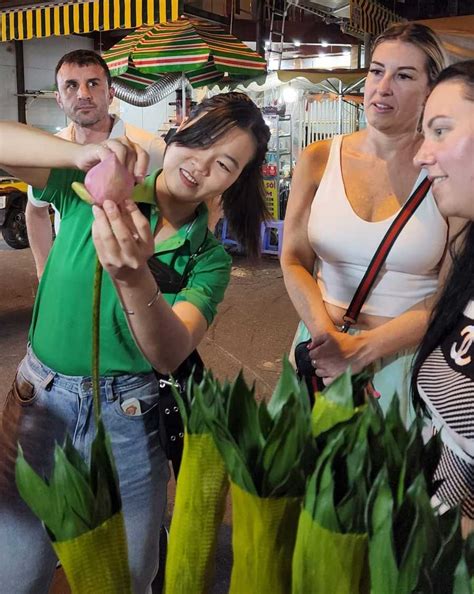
(327, 117)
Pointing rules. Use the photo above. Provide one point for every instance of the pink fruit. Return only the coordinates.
(109, 180)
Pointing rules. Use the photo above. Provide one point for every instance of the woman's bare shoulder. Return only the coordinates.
(318, 150)
(314, 158)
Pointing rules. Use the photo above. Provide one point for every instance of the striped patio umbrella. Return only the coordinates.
(138, 80)
(202, 51)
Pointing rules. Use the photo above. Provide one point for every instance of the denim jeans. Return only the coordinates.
(41, 408)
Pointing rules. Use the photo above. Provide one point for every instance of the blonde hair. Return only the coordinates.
(421, 37)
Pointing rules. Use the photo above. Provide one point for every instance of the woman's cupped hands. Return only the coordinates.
(123, 239)
(332, 352)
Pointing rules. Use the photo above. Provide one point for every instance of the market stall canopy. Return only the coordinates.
(315, 76)
(201, 50)
(77, 16)
(355, 17)
(309, 79)
(457, 35)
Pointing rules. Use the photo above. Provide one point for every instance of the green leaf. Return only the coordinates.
(462, 583)
(36, 493)
(287, 384)
(293, 428)
(103, 468)
(265, 421)
(77, 500)
(325, 512)
(326, 415)
(469, 553)
(75, 458)
(415, 545)
(243, 419)
(383, 567)
(340, 391)
(444, 551)
(212, 408)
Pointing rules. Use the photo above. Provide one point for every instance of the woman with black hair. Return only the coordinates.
(144, 326)
(443, 376)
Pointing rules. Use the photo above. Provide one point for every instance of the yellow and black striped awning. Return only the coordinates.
(79, 16)
(368, 16)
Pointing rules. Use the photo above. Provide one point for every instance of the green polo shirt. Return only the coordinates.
(61, 328)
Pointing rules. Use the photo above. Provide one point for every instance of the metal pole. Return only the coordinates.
(260, 28)
(20, 81)
(183, 96)
(367, 49)
(339, 108)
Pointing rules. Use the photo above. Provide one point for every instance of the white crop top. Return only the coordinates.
(345, 243)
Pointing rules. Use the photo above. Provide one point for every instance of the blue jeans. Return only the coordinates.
(41, 408)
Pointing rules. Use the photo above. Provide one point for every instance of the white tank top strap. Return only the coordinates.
(331, 186)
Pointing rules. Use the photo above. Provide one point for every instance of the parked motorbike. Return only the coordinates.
(13, 199)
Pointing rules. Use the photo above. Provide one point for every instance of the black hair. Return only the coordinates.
(462, 72)
(459, 287)
(83, 57)
(244, 202)
(457, 292)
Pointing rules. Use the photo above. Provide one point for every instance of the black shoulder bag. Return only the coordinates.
(304, 366)
(171, 281)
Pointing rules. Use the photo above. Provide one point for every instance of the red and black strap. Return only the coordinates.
(378, 259)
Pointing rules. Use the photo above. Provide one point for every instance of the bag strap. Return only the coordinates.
(378, 259)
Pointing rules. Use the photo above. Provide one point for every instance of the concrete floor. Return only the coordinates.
(254, 327)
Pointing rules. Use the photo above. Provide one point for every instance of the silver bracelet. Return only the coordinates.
(130, 312)
(155, 297)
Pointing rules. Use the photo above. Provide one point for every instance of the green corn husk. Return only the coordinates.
(80, 506)
(81, 510)
(269, 452)
(331, 547)
(200, 501)
(263, 537)
(372, 472)
(328, 562)
(91, 564)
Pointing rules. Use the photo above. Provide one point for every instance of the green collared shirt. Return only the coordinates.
(61, 328)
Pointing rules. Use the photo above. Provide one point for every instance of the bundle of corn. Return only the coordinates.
(200, 499)
(80, 506)
(367, 523)
(331, 547)
(269, 452)
(412, 549)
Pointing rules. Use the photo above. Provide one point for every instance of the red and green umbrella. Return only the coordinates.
(202, 51)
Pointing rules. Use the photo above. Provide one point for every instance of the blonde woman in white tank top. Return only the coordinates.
(345, 193)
